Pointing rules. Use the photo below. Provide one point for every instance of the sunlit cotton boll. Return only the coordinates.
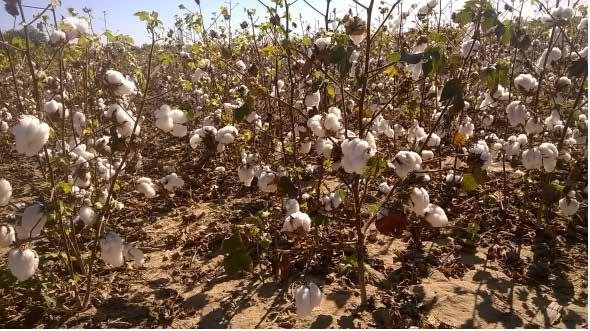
(532, 159)
(22, 263)
(172, 182)
(297, 221)
(436, 216)
(246, 174)
(171, 120)
(57, 37)
(30, 135)
(526, 82)
(549, 155)
(226, 135)
(569, 205)
(55, 108)
(517, 113)
(533, 126)
(200, 134)
(307, 298)
(5, 192)
(111, 249)
(74, 27)
(355, 155)
(419, 200)
(267, 181)
(32, 222)
(406, 162)
(7, 235)
(146, 187)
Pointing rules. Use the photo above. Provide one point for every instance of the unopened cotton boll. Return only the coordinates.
(226, 135)
(146, 187)
(5, 192)
(111, 249)
(307, 298)
(517, 113)
(436, 216)
(132, 253)
(32, 221)
(419, 200)
(526, 82)
(30, 135)
(22, 263)
(355, 155)
(297, 221)
(406, 162)
(7, 235)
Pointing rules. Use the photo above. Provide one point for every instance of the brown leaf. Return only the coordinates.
(392, 224)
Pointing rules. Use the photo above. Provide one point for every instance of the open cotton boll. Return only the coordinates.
(469, 48)
(200, 134)
(549, 154)
(87, 214)
(219, 170)
(114, 77)
(553, 120)
(241, 66)
(291, 206)
(5, 192)
(79, 120)
(32, 222)
(146, 187)
(134, 254)
(7, 235)
(548, 58)
(533, 126)
(452, 178)
(332, 201)
(517, 113)
(324, 147)
(226, 135)
(419, 200)
(355, 155)
(406, 162)
(3, 127)
(511, 147)
(307, 298)
(482, 150)
(54, 108)
(427, 155)
(267, 180)
(74, 27)
(385, 188)
(314, 123)
(111, 249)
(562, 13)
(332, 122)
(312, 100)
(172, 182)
(532, 159)
(322, 43)
(297, 221)
(30, 135)
(526, 82)
(22, 263)
(583, 25)
(436, 216)
(57, 37)
(569, 205)
(305, 147)
(246, 174)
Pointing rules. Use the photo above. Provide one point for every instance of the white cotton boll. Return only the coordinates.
(111, 249)
(267, 181)
(57, 37)
(240, 65)
(526, 82)
(332, 201)
(30, 135)
(562, 13)
(322, 43)
(87, 214)
(427, 155)
(291, 206)
(307, 298)
(533, 126)
(517, 113)
(433, 141)
(553, 120)
(512, 147)
(114, 77)
(416, 132)
(219, 170)
(482, 150)
(522, 139)
(7, 235)
(549, 156)
(583, 25)
(419, 200)
(332, 122)
(200, 134)
(297, 221)
(172, 182)
(53, 107)
(355, 155)
(568, 206)
(132, 253)
(3, 127)
(5, 192)
(453, 178)
(436, 216)
(548, 58)
(74, 27)
(315, 125)
(406, 162)
(226, 135)
(469, 48)
(305, 147)
(146, 187)
(313, 99)
(32, 222)
(198, 74)
(246, 174)
(487, 120)
(467, 128)
(79, 122)
(324, 147)
(126, 88)
(385, 188)
(22, 263)
(532, 159)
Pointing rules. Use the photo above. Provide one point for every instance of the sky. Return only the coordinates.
(120, 19)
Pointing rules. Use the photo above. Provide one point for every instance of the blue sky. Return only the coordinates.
(120, 19)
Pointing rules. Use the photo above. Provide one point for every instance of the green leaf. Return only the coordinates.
(232, 244)
(452, 90)
(374, 166)
(306, 41)
(65, 187)
(238, 261)
(394, 57)
(469, 183)
(318, 220)
(331, 91)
